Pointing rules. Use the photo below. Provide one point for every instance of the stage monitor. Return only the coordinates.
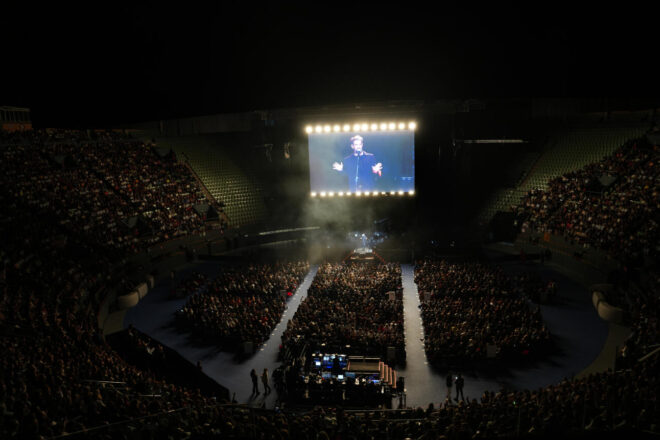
(362, 160)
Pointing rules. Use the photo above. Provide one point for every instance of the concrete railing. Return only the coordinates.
(113, 302)
(610, 313)
(142, 290)
(128, 300)
(599, 293)
(596, 298)
(605, 310)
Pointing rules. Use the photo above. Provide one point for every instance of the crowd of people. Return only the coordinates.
(61, 231)
(193, 283)
(104, 185)
(57, 374)
(60, 227)
(467, 307)
(530, 285)
(242, 304)
(159, 188)
(644, 318)
(351, 305)
(619, 218)
(140, 350)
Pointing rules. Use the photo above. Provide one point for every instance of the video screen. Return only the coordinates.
(360, 162)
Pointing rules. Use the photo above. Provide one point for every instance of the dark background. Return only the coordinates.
(95, 65)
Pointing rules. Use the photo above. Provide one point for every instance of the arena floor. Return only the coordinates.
(576, 328)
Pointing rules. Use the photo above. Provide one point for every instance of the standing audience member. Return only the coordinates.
(255, 382)
(264, 379)
(460, 382)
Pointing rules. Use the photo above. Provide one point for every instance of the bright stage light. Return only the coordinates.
(375, 193)
(360, 127)
(331, 194)
(348, 193)
(313, 194)
(411, 193)
(341, 193)
(400, 193)
(322, 193)
(383, 193)
(392, 193)
(358, 194)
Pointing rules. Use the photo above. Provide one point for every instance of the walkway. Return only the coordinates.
(154, 316)
(420, 379)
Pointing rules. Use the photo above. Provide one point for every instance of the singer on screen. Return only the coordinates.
(360, 167)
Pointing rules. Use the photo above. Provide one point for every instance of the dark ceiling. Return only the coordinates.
(95, 66)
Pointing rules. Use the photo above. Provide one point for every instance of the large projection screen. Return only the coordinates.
(359, 162)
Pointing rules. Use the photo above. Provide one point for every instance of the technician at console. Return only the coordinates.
(360, 167)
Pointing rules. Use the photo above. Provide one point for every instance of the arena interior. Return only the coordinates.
(237, 224)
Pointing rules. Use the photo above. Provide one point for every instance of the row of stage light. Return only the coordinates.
(360, 194)
(384, 126)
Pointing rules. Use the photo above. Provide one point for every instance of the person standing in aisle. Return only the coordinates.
(460, 382)
(264, 379)
(255, 382)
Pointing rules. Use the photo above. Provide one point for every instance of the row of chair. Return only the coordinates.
(227, 181)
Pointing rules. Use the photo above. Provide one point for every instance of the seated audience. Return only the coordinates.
(620, 219)
(349, 305)
(63, 245)
(472, 306)
(242, 304)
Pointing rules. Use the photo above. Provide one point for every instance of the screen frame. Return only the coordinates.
(363, 129)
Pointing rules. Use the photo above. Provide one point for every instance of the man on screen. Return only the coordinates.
(360, 167)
